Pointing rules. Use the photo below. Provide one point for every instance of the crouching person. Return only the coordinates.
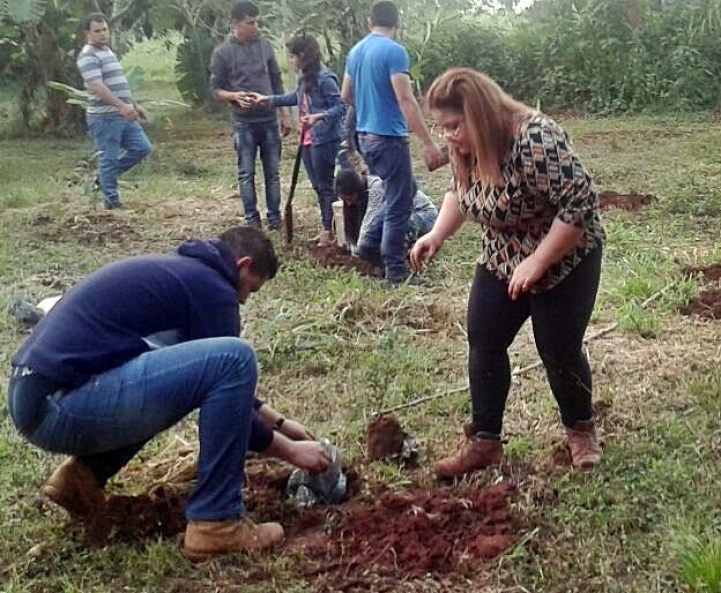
(130, 351)
(364, 208)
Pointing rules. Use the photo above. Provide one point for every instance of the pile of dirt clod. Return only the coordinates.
(412, 533)
(707, 304)
(333, 256)
(609, 200)
(378, 533)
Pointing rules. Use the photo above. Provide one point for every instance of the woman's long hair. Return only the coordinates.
(307, 49)
(348, 183)
(489, 116)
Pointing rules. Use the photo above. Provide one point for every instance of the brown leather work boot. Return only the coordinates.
(326, 239)
(207, 538)
(476, 453)
(74, 487)
(581, 441)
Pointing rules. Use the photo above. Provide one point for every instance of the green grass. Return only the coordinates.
(335, 348)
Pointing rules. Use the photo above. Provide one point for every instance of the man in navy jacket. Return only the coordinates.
(131, 350)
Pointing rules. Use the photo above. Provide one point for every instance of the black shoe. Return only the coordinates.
(413, 280)
(275, 225)
(372, 256)
(112, 205)
(256, 224)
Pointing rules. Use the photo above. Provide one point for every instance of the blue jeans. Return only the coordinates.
(390, 159)
(319, 161)
(122, 145)
(369, 244)
(108, 419)
(248, 138)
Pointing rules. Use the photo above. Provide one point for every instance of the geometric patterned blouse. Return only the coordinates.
(542, 180)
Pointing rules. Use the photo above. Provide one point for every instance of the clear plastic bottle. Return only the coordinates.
(330, 484)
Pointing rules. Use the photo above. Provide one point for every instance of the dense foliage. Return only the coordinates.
(599, 56)
(595, 56)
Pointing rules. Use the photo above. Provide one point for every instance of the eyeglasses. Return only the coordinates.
(449, 130)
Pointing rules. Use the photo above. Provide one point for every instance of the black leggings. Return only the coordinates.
(559, 316)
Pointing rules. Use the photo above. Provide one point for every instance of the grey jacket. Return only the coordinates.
(251, 66)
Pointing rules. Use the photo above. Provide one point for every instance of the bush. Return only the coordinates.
(192, 67)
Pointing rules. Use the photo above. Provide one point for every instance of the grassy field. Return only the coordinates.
(335, 348)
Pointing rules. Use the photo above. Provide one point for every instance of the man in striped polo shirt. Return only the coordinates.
(112, 117)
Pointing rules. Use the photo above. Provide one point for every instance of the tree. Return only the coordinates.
(45, 37)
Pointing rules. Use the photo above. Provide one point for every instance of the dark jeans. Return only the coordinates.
(390, 159)
(559, 317)
(319, 161)
(248, 139)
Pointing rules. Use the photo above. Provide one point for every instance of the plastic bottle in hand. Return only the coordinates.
(331, 483)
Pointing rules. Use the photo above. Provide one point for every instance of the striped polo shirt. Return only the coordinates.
(101, 63)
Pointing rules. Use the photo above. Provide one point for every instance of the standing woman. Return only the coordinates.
(321, 113)
(516, 174)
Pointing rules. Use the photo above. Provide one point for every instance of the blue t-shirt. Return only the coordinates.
(370, 65)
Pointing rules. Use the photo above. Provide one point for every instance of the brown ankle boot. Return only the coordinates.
(326, 239)
(73, 487)
(581, 441)
(207, 538)
(476, 453)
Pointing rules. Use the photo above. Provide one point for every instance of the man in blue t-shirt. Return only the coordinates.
(377, 83)
(131, 350)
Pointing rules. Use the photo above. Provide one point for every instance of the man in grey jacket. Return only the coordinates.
(246, 63)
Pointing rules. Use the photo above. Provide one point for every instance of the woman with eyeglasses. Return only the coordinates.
(516, 174)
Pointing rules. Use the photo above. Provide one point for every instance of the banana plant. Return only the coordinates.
(21, 12)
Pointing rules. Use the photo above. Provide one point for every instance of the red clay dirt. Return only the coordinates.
(610, 200)
(707, 304)
(334, 256)
(378, 535)
(384, 438)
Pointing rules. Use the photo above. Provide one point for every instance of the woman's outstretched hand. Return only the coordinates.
(424, 250)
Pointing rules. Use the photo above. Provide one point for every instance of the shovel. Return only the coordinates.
(288, 214)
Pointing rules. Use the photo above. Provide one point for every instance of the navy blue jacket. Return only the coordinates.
(135, 305)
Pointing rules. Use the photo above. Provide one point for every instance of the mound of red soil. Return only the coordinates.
(711, 273)
(333, 256)
(384, 438)
(132, 519)
(378, 533)
(708, 303)
(414, 533)
(611, 200)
